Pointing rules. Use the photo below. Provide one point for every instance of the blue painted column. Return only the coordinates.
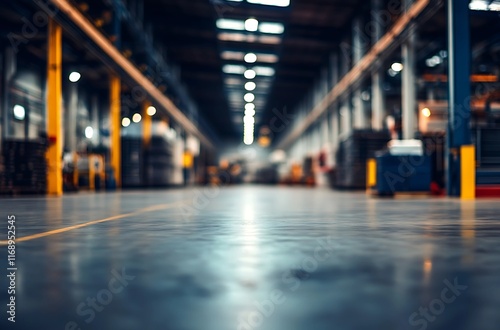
(116, 23)
(459, 54)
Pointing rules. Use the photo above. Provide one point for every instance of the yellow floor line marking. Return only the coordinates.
(95, 222)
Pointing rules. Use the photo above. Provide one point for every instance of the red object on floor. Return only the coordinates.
(488, 192)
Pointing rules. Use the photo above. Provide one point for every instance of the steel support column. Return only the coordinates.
(346, 117)
(95, 120)
(378, 98)
(10, 67)
(359, 115)
(461, 169)
(115, 126)
(409, 87)
(71, 123)
(54, 109)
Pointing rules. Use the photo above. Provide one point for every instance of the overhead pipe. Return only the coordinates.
(358, 71)
(110, 50)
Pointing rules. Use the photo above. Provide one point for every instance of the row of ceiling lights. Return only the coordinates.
(89, 132)
(249, 31)
(276, 3)
(137, 117)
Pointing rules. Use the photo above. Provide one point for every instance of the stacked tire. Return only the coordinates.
(24, 167)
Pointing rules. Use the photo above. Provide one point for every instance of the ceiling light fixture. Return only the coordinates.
(426, 112)
(19, 112)
(74, 76)
(233, 69)
(250, 113)
(250, 106)
(397, 67)
(250, 86)
(137, 118)
(125, 122)
(249, 97)
(151, 111)
(250, 58)
(230, 24)
(251, 25)
(89, 132)
(250, 74)
(272, 28)
(276, 3)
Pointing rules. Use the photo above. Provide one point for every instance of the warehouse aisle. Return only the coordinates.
(254, 258)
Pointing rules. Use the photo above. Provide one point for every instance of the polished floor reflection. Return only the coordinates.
(254, 258)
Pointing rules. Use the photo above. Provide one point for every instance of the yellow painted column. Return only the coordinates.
(371, 174)
(54, 109)
(468, 171)
(115, 126)
(147, 124)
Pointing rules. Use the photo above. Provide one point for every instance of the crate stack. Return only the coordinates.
(132, 162)
(159, 162)
(353, 154)
(24, 167)
(434, 147)
(488, 151)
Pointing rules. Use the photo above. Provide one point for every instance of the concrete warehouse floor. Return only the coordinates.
(253, 257)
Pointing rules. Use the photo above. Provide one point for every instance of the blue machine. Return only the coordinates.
(403, 174)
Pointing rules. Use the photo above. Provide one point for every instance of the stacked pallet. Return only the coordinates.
(352, 155)
(159, 162)
(24, 167)
(132, 162)
(435, 147)
(488, 150)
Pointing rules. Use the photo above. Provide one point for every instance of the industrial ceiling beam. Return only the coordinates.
(112, 52)
(357, 72)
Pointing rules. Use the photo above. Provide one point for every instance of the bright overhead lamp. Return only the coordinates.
(397, 67)
(250, 58)
(276, 3)
(249, 120)
(89, 132)
(264, 71)
(251, 25)
(249, 97)
(74, 76)
(151, 111)
(250, 74)
(479, 5)
(19, 112)
(230, 24)
(250, 86)
(233, 69)
(125, 122)
(250, 106)
(136, 118)
(250, 113)
(426, 112)
(272, 28)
